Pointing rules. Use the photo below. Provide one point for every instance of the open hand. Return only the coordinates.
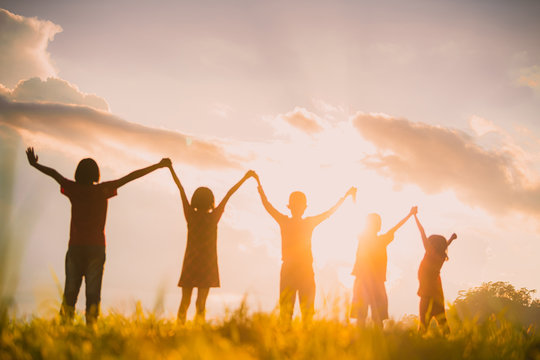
(414, 210)
(352, 191)
(32, 157)
(453, 237)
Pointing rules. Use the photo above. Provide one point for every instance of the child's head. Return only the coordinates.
(87, 172)
(439, 245)
(373, 223)
(297, 203)
(202, 199)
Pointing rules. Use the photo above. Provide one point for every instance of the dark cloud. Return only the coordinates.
(437, 158)
(98, 131)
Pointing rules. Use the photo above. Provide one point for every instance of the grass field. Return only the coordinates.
(242, 335)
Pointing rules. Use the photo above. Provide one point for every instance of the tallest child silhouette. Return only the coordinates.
(86, 250)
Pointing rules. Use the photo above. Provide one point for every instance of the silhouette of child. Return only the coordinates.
(370, 271)
(86, 250)
(429, 276)
(200, 267)
(297, 260)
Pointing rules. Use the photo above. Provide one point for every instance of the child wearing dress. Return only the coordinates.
(370, 270)
(200, 266)
(429, 276)
(85, 257)
(297, 274)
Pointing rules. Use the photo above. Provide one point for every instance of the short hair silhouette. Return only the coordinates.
(374, 222)
(202, 199)
(87, 171)
(439, 244)
(297, 203)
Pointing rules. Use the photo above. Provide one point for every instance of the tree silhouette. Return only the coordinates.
(499, 298)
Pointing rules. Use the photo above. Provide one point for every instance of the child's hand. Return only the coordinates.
(414, 210)
(453, 237)
(249, 174)
(165, 162)
(352, 191)
(32, 157)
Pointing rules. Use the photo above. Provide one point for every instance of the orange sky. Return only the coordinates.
(404, 105)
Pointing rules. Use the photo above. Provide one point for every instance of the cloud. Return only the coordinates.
(53, 90)
(530, 77)
(437, 158)
(82, 127)
(482, 126)
(303, 120)
(23, 48)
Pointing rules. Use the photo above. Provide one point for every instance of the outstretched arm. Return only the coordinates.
(33, 160)
(236, 186)
(141, 172)
(267, 206)
(185, 202)
(422, 232)
(412, 212)
(452, 238)
(325, 215)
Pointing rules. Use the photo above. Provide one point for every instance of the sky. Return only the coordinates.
(427, 103)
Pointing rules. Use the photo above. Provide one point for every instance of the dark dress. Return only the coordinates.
(429, 276)
(200, 267)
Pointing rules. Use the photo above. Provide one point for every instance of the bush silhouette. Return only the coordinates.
(499, 298)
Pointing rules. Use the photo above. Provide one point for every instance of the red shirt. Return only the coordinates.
(88, 211)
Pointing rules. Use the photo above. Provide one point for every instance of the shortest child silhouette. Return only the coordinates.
(429, 276)
(85, 257)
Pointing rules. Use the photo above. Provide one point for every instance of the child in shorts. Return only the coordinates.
(370, 271)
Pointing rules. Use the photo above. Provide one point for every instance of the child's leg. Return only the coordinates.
(93, 277)
(379, 303)
(72, 285)
(287, 295)
(359, 303)
(426, 306)
(202, 295)
(184, 304)
(439, 314)
(306, 296)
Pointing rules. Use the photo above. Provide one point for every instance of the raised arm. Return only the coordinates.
(236, 186)
(412, 212)
(33, 160)
(422, 232)
(325, 215)
(185, 202)
(141, 172)
(267, 206)
(452, 238)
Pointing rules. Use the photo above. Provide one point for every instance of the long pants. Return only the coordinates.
(83, 261)
(296, 279)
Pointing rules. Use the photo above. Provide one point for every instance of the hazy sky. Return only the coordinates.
(427, 103)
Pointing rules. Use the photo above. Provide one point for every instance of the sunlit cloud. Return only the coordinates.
(303, 120)
(80, 127)
(53, 90)
(530, 77)
(437, 158)
(23, 48)
(482, 126)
